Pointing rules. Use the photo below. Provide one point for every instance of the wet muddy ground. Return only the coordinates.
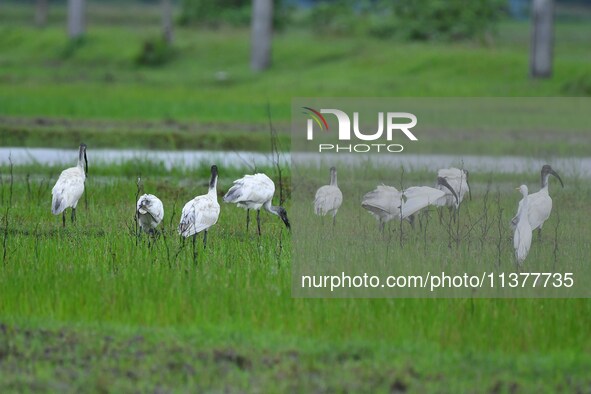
(40, 360)
(82, 360)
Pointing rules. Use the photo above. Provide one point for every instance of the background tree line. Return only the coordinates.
(424, 20)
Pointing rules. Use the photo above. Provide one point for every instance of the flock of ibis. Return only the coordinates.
(386, 203)
(198, 215)
(256, 192)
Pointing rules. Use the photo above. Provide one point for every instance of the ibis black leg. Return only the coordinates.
(411, 219)
(204, 239)
(194, 248)
(150, 237)
(259, 221)
(64, 218)
(540, 234)
(247, 218)
(73, 215)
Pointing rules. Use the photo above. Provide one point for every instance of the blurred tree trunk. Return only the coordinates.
(167, 21)
(76, 18)
(41, 10)
(542, 39)
(261, 34)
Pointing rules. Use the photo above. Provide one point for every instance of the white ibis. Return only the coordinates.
(255, 192)
(458, 180)
(69, 187)
(150, 212)
(201, 213)
(523, 230)
(540, 203)
(329, 197)
(387, 203)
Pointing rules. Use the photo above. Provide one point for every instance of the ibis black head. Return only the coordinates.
(82, 155)
(333, 175)
(444, 182)
(283, 215)
(214, 175)
(546, 170)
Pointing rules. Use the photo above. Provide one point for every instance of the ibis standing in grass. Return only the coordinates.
(387, 203)
(540, 203)
(69, 187)
(150, 213)
(523, 230)
(329, 198)
(255, 192)
(458, 180)
(201, 213)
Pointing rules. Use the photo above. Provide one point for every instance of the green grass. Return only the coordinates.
(100, 78)
(72, 288)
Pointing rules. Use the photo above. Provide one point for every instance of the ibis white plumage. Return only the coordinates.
(523, 230)
(540, 203)
(255, 192)
(458, 180)
(387, 203)
(329, 197)
(69, 187)
(150, 212)
(202, 212)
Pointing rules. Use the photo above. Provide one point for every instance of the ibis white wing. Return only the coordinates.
(67, 190)
(150, 211)
(251, 191)
(383, 201)
(539, 209)
(458, 182)
(198, 214)
(327, 200)
(417, 198)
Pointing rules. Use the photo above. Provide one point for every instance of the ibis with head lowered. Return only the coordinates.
(256, 192)
(150, 212)
(387, 203)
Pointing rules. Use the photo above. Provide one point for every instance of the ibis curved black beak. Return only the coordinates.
(283, 216)
(443, 181)
(82, 154)
(557, 176)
